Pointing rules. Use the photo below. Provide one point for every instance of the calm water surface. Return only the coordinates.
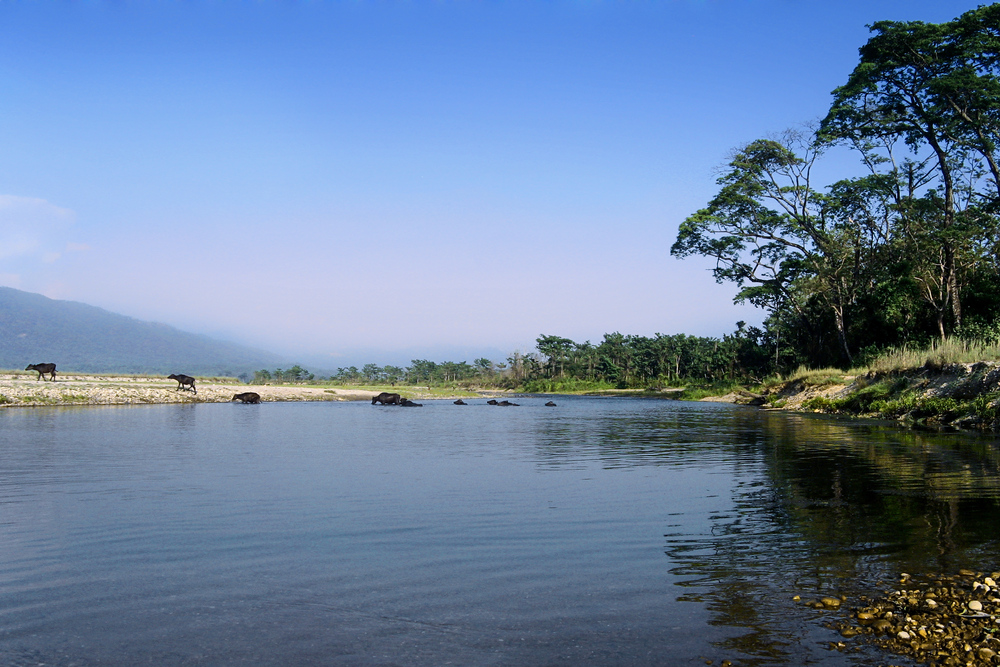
(600, 532)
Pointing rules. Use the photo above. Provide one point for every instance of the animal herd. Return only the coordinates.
(385, 398)
(186, 382)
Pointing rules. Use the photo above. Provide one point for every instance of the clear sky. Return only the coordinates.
(320, 178)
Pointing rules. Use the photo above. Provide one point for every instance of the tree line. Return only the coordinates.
(618, 360)
(905, 251)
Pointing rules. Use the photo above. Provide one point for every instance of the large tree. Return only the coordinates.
(783, 242)
(934, 87)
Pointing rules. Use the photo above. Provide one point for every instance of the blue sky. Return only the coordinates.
(331, 180)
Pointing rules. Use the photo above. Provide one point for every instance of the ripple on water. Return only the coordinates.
(620, 531)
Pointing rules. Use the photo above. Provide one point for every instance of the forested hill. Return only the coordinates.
(78, 337)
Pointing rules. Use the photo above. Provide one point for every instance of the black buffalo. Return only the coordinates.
(385, 398)
(460, 402)
(550, 404)
(247, 397)
(43, 369)
(183, 381)
(407, 403)
(492, 401)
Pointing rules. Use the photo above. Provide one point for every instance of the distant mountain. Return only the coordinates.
(82, 338)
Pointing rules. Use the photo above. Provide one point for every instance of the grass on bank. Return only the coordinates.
(899, 398)
(890, 387)
(937, 356)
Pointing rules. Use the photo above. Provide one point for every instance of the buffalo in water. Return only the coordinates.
(550, 404)
(385, 398)
(247, 397)
(460, 402)
(183, 381)
(43, 370)
(407, 403)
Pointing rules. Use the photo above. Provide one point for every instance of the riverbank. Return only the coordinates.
(21, 390)
(951, 396)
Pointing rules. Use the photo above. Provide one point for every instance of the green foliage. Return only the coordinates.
(698, 391)
(884, 397)
(294, 375)
(897, 397)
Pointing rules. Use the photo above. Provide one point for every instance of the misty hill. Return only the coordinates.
(82, 338)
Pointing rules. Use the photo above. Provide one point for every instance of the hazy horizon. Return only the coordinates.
(320, 178)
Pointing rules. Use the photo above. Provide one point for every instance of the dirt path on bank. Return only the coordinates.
(20, 390)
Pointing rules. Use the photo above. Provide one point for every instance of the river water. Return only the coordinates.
(599, 532)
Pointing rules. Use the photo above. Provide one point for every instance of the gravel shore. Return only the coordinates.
(22, 390)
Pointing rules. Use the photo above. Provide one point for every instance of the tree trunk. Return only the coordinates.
(838, 316)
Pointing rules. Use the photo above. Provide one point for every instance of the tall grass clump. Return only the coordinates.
(816, 377)
(940, 354)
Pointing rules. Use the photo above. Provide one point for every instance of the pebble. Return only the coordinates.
(882, 625)
(944, 620)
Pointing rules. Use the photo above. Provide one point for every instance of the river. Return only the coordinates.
(603, 531)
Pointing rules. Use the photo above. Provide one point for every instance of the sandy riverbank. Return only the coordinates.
(18, 390)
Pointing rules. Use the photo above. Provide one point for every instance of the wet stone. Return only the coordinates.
(941, 621)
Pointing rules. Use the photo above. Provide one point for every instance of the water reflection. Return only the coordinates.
(840, 507)
(630, 432)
